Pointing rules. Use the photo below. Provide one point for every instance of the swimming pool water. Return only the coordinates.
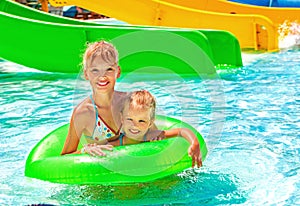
(249, 117)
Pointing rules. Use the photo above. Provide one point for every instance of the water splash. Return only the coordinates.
(289, 34)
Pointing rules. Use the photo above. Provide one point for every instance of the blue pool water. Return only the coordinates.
(249, 117)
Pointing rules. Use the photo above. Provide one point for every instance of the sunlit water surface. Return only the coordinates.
(248, 116)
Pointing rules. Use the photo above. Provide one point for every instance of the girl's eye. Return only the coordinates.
(129, 119)
(109, 69)
(142, 121)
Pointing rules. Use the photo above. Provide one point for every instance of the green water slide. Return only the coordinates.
(52, 43)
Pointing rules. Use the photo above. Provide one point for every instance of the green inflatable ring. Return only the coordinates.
(124, 165)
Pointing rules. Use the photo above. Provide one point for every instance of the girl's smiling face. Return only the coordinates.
(136, 122)
(102, 75)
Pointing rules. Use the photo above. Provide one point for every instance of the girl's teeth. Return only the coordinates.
(102, 83)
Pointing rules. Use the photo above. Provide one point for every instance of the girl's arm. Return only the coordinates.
(194, 149)
(73, 137)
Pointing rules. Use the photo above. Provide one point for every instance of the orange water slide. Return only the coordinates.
(253, 31)
(276, 14)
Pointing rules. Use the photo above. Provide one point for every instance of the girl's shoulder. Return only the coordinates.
(84, 108)
(120, 97)
(120, 94)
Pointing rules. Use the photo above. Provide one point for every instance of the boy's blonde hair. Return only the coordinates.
(141, 100)
(102, 49)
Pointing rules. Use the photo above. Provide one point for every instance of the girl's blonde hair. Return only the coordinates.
(141, 100)
(102, 49)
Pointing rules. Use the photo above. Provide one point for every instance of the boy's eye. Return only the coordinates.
(142, 121)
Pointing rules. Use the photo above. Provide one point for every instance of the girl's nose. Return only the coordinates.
(102, 73)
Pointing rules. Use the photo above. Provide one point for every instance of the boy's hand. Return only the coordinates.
(158, 137)
(195, 153)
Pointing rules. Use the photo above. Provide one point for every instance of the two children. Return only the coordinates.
(138, 116)
(99, 119)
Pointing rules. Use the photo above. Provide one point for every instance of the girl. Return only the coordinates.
(94, 116)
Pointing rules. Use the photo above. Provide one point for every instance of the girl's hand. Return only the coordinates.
(96, 149)
(195, 153)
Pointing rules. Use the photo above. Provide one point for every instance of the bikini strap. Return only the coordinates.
(121, 138)
(95, 107)
(119, 130)
(96, 112)
(97, 116)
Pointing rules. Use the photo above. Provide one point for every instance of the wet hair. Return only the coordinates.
(102, 49)
(141, 100)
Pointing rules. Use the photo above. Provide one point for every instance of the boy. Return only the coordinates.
(137, 117)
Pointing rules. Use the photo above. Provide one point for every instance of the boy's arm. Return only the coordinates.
(194, 149)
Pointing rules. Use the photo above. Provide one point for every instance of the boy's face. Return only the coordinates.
(136, 122)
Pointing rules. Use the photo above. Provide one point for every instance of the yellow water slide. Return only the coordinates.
(276, 14)
(253, 31)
